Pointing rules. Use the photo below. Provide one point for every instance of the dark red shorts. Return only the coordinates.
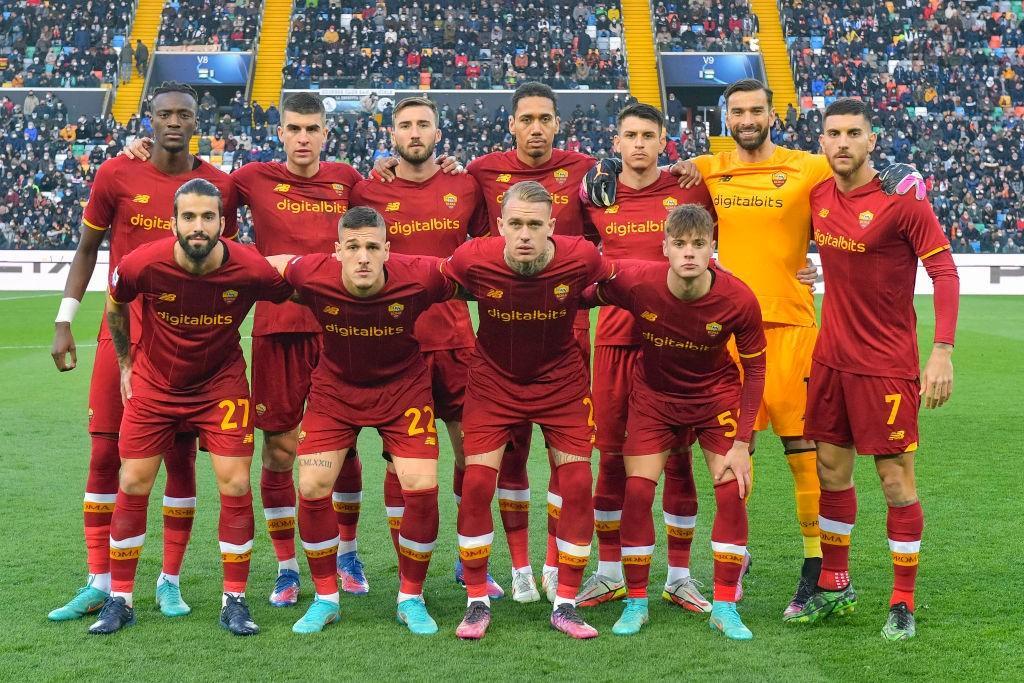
(105, 409)
(582, 337)
(282, 365)
(612, 383)
(876, 415)
(561, 406)
(224, 425)
(657, 423)
(402, 412)
(449, 370)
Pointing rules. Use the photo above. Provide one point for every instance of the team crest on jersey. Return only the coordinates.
(331, 310)
(561, 291)
(141, 199)
(495, 293)
(504, 178)
(396, 309)
(647, 315)
(864, 218)
(260, 408)
(614, 208)
(670, 202)
(779, 179)
(168, 297)
(561, 175)
(393, 206)
(338, 187)
(713, 329)
(450, 200)
(282, 187)
(229, 296)
(823, 213)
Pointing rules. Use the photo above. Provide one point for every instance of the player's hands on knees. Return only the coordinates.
(808, 275)
(384, 169)
(689, 174)
(63, 344)
(937, 377)
(450, 165)
(737, 461)
(126, 383)
(138, 149)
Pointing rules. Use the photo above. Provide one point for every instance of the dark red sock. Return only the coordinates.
(179, 501)
(236, 530)
(554, 514)
(514, 495)
(728, 539)
(837, 513)
(416, 539)
(476, 527)
(101, 490)
(394, 505)
(679, 507)
(127, 536)
(905, 526)
(638, 534)
(348, 498)
(278, 492)
(575, 526)
(457, 476)
(318, 530)
(608, 493)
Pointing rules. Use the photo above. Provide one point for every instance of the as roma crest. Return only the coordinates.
(713, 329)
(864, 218)
(779, 179)
(450, 200)
(229, 296)
(338, 187)
(670, 202)
(561, 175)
(396, 309)
(561, 291)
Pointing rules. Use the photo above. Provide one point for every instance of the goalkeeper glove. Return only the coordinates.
(901, 178)
(598, 186)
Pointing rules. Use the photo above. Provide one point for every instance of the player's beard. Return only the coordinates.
(196, 254)
(531, 268)
(762, 135)
(855, 166)
(419, 156)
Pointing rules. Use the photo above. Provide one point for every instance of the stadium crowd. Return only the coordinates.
(705, 26)
(61, 44)
(465, 45)
(224, 25)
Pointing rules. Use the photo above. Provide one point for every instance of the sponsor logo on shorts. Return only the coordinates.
(823, 213)
(168, 297)
(332, 310)
(141, 199)
(669, 202)
(396, 309)
(864, 218)
(713, 328)
(393, 206)
(141, 220)
(504, 178)
(430, 441)
(260, 409)
(338, 187)
(561, 291)
(647, 315)
(779, 179)
(614, 208)
(495, 294)
(561, 175)
(282, 187)
(247, 439)
(726, 179)
(450, 200)
(229, 296)
(898, 435)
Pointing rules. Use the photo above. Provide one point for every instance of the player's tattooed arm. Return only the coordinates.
(118, 322)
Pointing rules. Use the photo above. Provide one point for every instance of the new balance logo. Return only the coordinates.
(168, 297)
(393, 206)
(282, 187)
(898, 435)
(141, 199)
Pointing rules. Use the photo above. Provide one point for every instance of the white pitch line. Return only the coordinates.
(28, 296)
(41, 346)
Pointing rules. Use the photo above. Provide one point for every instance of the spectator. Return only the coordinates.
(225, 25)
(141, 57)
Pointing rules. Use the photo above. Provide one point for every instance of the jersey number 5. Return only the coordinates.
(726, 420)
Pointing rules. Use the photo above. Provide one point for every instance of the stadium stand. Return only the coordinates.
(221, 24)
(62, 44)
(705, 26)
(467, 44)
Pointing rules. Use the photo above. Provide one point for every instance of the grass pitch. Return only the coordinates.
(968, 612)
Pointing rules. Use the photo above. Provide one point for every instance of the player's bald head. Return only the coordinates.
(358, 217)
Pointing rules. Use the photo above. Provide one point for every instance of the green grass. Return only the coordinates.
(968, 599)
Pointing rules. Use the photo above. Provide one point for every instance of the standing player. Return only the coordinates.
(430, 214)
(187, 372)
(866, 381)
(634, 228)
(685, 380)
(371, 374)
(527, 368)
(761, 195)
(129, 204)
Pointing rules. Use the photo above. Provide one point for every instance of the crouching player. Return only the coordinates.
(371, 373)
(188, 373)
(685, 380)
